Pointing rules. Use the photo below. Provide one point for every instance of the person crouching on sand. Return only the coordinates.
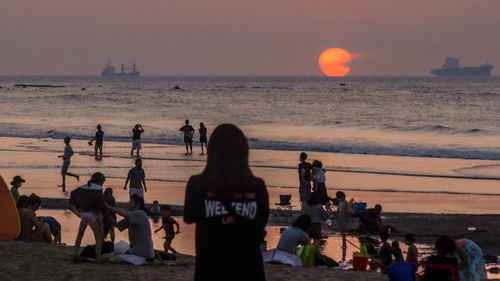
(87, 202)
(139, 229)
(167, 223)
(230, 208)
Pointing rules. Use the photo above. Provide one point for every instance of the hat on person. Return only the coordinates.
(17, 179)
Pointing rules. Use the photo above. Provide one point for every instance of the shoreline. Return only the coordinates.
(421, 225)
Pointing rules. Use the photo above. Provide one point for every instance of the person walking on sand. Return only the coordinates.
(137, 178)
(188, 131)
(98, 138)
(304, 170)
(16, 183)
(68, 153)
(87, 202)
(203, 136)
(136, 139)
(230, 208)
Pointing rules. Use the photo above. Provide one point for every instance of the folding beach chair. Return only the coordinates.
(285, 206)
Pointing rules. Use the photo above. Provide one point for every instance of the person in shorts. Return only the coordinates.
(98, 138)
(188, 131)
(167, 223)
(203, 136)
(137, 178)
(68, 153)
(136, 139)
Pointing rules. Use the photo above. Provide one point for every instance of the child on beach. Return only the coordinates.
(203, 136)
(396, 252)
(168, 225)
(155, 211)
(136, 176)
(442, 267)
(412, 255)
(33, 228)
(87, 202)
(98, 138)
(319, 180)
(109, 216)
(385, 252)
(68, 153)
(344, 214)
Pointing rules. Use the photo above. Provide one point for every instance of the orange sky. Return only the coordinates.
(257, 37)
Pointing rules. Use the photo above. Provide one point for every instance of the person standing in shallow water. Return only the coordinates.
(203, 136)
(136, 139)
(188, 131)
(304, 170)
(68, 153)
(98, 138)
(230, 208)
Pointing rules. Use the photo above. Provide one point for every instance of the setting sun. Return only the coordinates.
(332, 62)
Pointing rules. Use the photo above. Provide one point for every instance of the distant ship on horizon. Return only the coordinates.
(109, 70)
(451, 67)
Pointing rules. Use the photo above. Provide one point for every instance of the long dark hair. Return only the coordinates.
(227, 160)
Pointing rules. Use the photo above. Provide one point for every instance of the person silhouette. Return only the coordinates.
(188, 131)
(98, 138)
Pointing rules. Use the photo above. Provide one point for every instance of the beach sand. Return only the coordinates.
(29, 261)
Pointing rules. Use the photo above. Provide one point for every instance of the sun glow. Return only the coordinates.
(332, 62)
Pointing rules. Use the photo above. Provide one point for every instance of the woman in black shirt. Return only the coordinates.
(230, 208)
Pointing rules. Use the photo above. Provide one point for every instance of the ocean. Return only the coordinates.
(412, 117)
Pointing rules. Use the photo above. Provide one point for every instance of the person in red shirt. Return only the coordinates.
(168, 223)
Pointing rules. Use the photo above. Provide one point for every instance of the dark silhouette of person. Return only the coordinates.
(188, 131)
(304, 169)
(203, 136)
(136, 139)
(68, 153)
(230, 208)
(98, 138)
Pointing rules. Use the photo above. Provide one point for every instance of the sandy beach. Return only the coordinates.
(16, 265)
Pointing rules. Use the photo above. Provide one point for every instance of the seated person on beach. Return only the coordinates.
(33, 228)
(296, 235)
(318, 215)
(155, 210)
(396, 252)
(87, 202)
(55, 228)
(16, 183)
(139, 229)
(471, 265)
(441, 267)
(385, 252)
(167, 223)
(370, 219)
(412, 255)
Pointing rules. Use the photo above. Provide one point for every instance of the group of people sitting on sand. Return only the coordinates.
(230, 207)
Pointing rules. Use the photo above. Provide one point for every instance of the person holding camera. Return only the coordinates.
(136, 139)
(98, 138)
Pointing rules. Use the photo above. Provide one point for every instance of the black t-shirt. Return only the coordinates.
(99, 136)
(203, 133)
(438, 274)
(308, 168)
(87, 200)
(188, 131)
(137, 133)
(229, 229)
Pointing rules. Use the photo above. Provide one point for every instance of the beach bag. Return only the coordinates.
(307, 254)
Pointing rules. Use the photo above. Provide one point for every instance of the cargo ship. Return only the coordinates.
(452, 67)
(109, 70)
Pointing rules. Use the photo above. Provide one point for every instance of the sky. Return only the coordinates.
(245, 37)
